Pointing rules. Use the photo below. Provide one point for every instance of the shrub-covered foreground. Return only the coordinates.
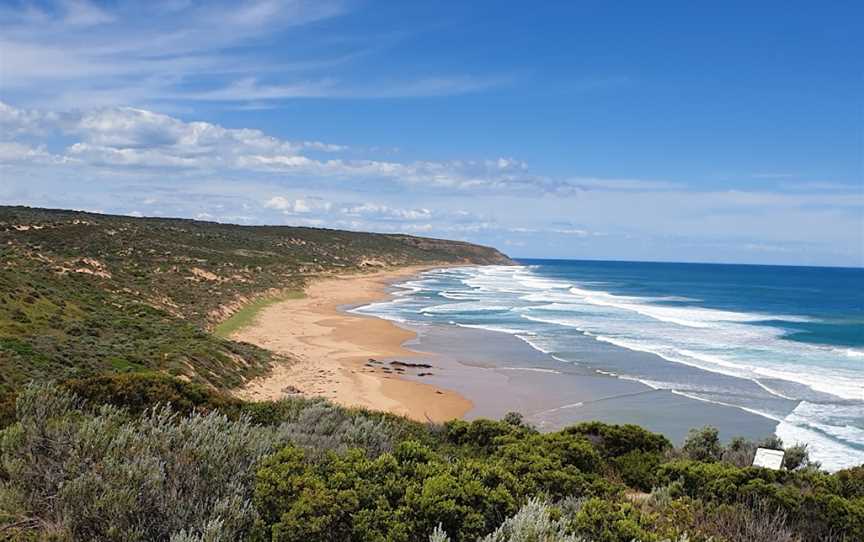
(108, 459)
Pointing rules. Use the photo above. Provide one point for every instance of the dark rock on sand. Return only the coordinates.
(413, 365)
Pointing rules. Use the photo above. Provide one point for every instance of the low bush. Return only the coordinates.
(617, 440)
(796, 456)
(749, 520)
(314, 424)
(703, 445)
(320, 427)
(480, 437)
(112, 461)
(610, 521)
(554, 464)
(401, 496)
(813, 501)
(638, 469)
(851, 482)
(111, 477)
(137, 392)
(535, 521)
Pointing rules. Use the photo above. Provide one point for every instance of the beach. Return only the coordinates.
(440, 349)
(329, 350)
(670, 347)
(457, 372)
(500, 373)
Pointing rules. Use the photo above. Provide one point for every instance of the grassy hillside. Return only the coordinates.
(83, 293)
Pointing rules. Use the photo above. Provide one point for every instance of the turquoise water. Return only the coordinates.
(786, 343)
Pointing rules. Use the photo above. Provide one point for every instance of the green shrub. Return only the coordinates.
(813, 501)
(311, 423)
(322, 426)
(106, 476)
(796, 456)
(618, 440)
(638, 469)
(749, 520)
(90, 470)
(554, 464)
(851, 482)
(514, 418)
(703, 445)
(480, 436)
(137, 392)
(609, 521)
(401, 496)
(739, 452)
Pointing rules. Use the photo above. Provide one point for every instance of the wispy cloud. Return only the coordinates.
(253, 91)
(773, 176)
(74, 53)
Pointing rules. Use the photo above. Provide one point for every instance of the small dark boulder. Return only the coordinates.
(409, 364)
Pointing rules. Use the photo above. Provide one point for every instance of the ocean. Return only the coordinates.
(783, 343)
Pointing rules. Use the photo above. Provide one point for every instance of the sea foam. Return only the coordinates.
(551, 313)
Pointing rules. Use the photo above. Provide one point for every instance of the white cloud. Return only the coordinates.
(298, 206)
(130, 137)
(14, 152)
(128, 159)
(76, 53)
(592, 183)
(15, 121)
(386, 212)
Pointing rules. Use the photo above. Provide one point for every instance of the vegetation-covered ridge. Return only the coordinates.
(107, 459)
(83, 293)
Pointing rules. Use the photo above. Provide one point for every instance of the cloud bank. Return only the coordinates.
(137, 161)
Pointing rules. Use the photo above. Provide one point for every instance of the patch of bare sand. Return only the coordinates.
(331, 348)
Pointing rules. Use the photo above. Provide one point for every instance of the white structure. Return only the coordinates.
(768, 458)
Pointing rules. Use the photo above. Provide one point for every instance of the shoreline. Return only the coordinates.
(502, 374)
(474, 373)
(329, 350)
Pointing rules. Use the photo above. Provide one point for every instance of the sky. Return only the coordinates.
(670, 131)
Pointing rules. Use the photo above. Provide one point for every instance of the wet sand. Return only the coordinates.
(501, 373)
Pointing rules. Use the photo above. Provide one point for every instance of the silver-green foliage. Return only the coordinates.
(439, 535)
(104, 476)
(532, 523)
(321, 426)
(535, 522)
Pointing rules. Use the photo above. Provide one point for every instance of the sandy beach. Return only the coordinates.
(330, 350)
(475, 373)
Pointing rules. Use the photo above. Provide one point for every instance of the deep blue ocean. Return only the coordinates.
(786, 343)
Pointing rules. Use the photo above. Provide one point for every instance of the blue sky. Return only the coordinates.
(684, 131)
